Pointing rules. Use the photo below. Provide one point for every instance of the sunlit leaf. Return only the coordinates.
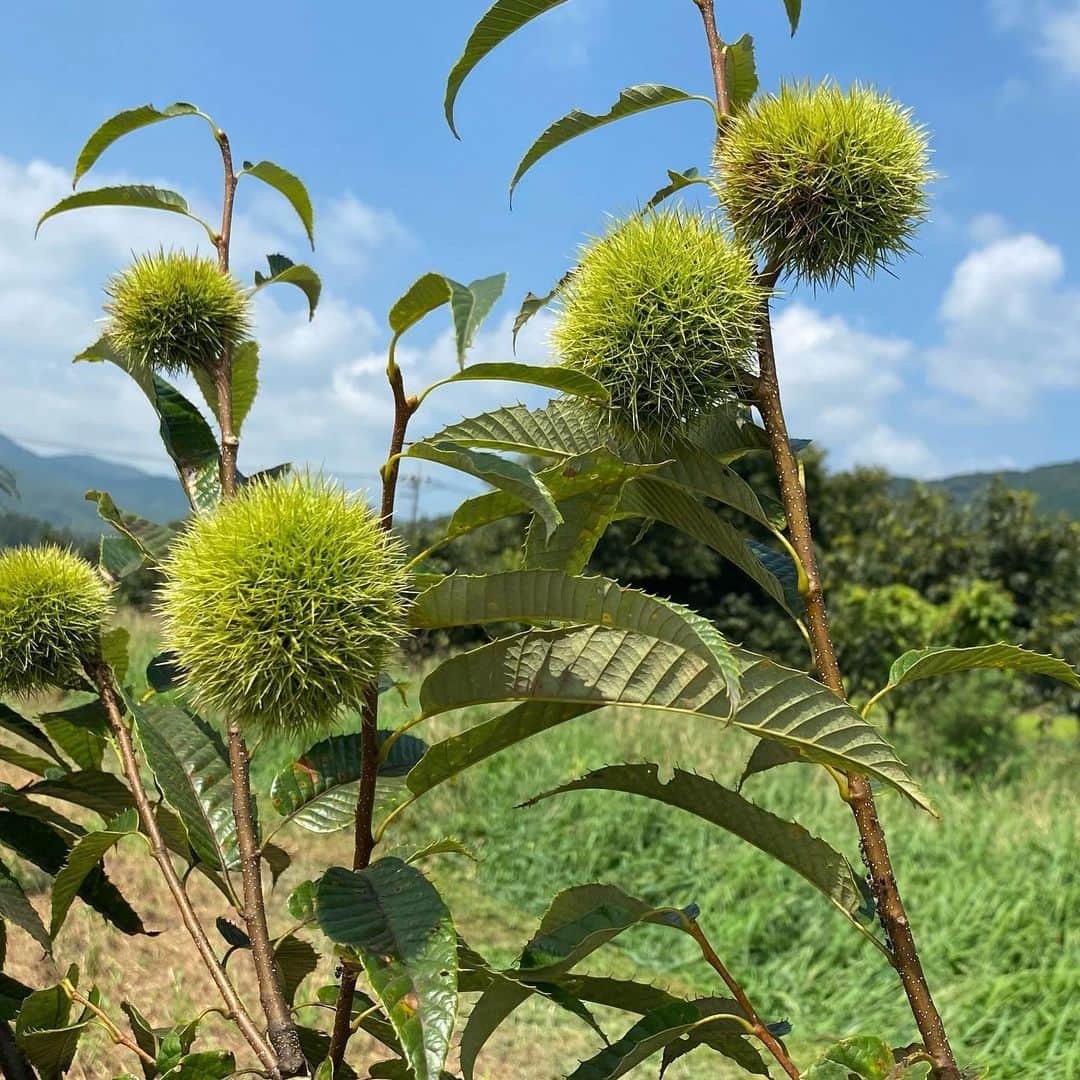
(137, 195)
(284, 271)
(292, 187)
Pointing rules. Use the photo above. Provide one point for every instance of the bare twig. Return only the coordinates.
(716, 56)
(363, 840)
(101, 675)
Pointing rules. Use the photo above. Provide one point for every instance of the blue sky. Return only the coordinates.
(969, 358)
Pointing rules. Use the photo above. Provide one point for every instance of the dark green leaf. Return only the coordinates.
(631, 101)
(786, 841)
(123, 123)
(318, 791)
(593, 666)
(292, 187)
(944, 660)
(232, 935)
(533, 303)
(15, 908)
(83, 858)
(205, 1065)
(500, 472)
(301, 902)
(79, 732)
(424, 295)
(497, 24)
(28, 730)
(191, 766)
(163, 672)
(45, 1031)
(139, 195)
(448, 845)
(295, 960)
(12, 995)
(677, 181)
(864, 1056)
(742, 80)
(394, 919)
(103, 792)
(794, 10)
(245, 383)
(284, 271)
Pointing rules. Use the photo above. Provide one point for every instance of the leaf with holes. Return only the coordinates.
(497, 24)
(191, 766)
(284, 271)
(397, 923)
(595, 666)
(631, 101)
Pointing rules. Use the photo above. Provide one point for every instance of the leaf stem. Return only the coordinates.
(760, 1030)
(114, 1033)
(363, 838)
(101, 675)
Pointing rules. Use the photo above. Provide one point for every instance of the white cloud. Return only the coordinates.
(1052, 25)
(1011, 328)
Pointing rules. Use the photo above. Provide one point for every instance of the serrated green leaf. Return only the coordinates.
(945, 660)
(676, 182)
(546, 596)
(118, 556)
(448, 845)
(31, 763)
(79, 732)
(245, 383)
(866, 1057)
(123, 123)
(28, 730)
(15, 908)
(45, 1032)
(295, 960)
(497, 24)
(231, 934)
(284, 271)
(742, 79)
(318, 791)
(631, 101)
(427, 293)
(292, 187)
(655, 501)
(471, 304)
(137, 195)
(103, 792)
(191, 766)
(500, 472)
(397, 923)
(151, 539)
(87, 853)
(648, 1036)
(191, 444)
(560, 429)
(554, 377)
(594, 666)
(204, 1065)
(12, 994)
(301, 902)
(786, 841)
(533, 303)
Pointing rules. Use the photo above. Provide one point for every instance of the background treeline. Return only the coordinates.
(905, 564)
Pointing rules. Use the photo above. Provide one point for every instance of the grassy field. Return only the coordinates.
(993, 891)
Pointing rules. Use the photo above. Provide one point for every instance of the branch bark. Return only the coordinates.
(875, 850)
(363, 840)
(101, 675)
(717, 57)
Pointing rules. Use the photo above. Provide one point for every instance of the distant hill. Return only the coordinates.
(52, 488)
(1057, 486)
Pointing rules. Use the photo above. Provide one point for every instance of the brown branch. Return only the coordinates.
(280, 1027)
(761, 1030)
(874, 847)
(101, 675)
(717, 56)
(364, 841)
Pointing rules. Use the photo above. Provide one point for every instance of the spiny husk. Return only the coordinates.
(53, 606)
(284, 603)
(824, 183)
(663, 310)
(174, 312)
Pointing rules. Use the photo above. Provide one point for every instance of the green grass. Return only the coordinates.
(992, 888)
